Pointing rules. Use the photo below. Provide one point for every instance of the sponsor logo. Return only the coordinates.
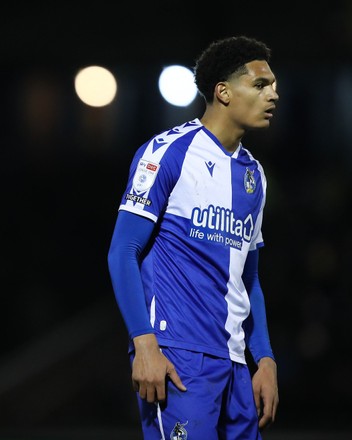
(219, 225)
(152, 166)
(210, 165)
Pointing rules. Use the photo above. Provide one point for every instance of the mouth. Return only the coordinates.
(269, 112)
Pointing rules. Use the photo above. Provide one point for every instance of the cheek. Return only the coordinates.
(246, 100)
(246, 107)
(252, 101)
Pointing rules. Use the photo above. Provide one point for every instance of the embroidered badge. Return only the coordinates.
(145, 175)
(179, 432)
(249, 181)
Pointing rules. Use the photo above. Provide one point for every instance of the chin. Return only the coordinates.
(259, 126)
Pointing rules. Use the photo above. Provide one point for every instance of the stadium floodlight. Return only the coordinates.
(177, 86)
(95, 86)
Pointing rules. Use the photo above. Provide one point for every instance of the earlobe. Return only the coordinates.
(222, 93)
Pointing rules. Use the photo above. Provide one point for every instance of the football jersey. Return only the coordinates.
(208, 206)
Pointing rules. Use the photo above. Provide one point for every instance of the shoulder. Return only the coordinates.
(164, 144)
(177, 135)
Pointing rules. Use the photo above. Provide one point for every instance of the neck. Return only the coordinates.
(223, 129)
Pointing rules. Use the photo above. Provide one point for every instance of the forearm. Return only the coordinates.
(255, 326)
(256, 330)
(129, 239)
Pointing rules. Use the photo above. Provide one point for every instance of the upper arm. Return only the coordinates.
(250, 271)
(131, 233)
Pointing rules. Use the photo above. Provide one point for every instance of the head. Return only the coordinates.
(235, 73)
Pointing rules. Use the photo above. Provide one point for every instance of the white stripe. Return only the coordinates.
(160, 423)
(152, 312)
(238, 309)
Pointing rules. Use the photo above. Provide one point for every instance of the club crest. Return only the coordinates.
(179, 432)
(249, 181)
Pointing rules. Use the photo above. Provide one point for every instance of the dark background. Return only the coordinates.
(64, 362)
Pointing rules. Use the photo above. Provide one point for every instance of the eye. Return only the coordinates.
(259, 85)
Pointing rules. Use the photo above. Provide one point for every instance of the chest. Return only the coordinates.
(219, 181)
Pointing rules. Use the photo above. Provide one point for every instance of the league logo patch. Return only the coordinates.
(145, 175)
(249, 181)
(179, 432)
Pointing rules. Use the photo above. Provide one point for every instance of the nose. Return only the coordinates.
(273, 95)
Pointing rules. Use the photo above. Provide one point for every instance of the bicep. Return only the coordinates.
(131, 233)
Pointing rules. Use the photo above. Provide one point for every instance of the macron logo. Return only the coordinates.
(210, 165)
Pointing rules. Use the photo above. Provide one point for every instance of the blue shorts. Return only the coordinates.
(218, 404)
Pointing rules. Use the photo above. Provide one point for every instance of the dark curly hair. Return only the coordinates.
(223, 58)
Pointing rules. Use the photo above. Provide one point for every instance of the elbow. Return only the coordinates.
(119, 254)
(111, 258)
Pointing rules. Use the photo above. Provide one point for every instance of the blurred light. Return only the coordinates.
(176, 85)
(95, 86)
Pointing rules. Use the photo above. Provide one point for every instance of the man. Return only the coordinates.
(183, 259)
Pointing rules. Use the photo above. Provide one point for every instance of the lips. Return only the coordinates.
(269, 111)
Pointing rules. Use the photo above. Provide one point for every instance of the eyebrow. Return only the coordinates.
(264, 80)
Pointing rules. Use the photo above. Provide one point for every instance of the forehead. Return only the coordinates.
(259, 69)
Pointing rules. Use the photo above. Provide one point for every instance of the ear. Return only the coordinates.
(222, 92)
